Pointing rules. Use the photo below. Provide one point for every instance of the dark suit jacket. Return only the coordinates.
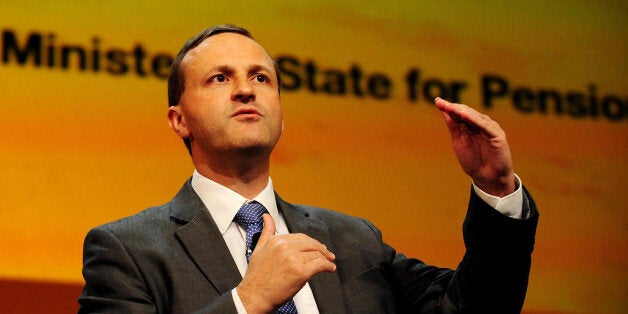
(173, 259)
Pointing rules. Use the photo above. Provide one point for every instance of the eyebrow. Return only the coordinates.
(227, 69)
(223, 69)
(259, 68)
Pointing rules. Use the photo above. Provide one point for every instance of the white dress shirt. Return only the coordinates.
(510, 205)
(223, 204)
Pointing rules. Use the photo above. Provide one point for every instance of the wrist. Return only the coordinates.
(252, 302)
(501, 187)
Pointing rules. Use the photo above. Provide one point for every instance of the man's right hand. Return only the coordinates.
(280, 266)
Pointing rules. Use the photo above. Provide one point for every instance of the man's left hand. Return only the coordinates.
(480, 146)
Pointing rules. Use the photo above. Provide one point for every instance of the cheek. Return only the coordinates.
(202, 108)
(277, 116)
(275, 107)
(200, 121)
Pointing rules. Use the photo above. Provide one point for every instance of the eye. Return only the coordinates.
(260, 78)
(220, 78)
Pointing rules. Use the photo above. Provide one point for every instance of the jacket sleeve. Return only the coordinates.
(492, 276)
(115, 284)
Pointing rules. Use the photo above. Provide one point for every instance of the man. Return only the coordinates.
(192, 254)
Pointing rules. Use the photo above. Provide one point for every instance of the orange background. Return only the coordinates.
(79, 149)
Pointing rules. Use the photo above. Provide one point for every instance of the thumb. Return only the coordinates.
(268, 230)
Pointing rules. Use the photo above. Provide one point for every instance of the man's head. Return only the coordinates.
(177, 77)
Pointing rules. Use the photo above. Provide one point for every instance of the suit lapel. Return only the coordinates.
(206, 247)
(203, 241)
(325, 286)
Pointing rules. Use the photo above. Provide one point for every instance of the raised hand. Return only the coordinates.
(280, 266)
(480, 146)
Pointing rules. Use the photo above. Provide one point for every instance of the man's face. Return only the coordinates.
(231, 99)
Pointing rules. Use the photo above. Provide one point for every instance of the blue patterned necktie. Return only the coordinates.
(250, 218)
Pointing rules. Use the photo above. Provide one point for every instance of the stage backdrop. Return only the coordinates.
(84, 137)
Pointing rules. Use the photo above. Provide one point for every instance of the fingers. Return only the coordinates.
(320, 265)
(462, 118)
(279, 268)
(448, 109)
(306, 253)
(306, 256)
(310, 245)
(308, 248)
(323, 264)
(301, 244)
(452, 126)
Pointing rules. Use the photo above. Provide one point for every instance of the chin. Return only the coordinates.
(253, 150)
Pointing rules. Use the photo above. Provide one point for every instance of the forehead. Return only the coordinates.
(227, 49)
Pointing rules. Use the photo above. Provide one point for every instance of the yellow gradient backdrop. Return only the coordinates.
(81, 148)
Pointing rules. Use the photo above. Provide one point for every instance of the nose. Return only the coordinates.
(243, 92)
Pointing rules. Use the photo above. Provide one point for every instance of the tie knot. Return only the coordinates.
(250, 213)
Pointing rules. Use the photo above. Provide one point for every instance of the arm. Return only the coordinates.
(492, 276)
(115, 284)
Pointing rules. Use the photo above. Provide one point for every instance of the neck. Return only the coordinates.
(246, 174)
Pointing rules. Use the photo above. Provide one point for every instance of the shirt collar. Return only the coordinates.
(223, 203)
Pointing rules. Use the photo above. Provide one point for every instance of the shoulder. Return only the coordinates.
(142, 225)
(157, 219)
(330, 214)
(335, 221)
(151, 215)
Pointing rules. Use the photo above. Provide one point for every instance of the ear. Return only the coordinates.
(177, 122)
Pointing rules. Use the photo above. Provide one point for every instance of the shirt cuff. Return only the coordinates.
(510, 205)
(238, 303)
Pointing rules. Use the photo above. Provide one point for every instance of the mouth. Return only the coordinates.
(246, 112)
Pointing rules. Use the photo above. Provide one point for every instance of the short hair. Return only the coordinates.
(176, 79)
